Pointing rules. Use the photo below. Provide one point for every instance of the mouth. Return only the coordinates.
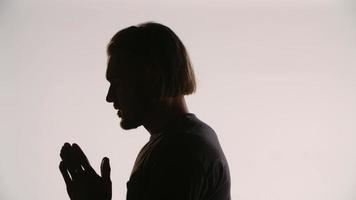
(119, 113)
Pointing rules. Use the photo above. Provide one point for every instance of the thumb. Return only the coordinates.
(105, 168)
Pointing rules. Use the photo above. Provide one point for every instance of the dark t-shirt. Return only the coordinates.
(183, 162)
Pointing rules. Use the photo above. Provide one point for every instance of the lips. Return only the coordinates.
(119, 113)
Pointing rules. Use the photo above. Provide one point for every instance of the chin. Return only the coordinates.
(127, 124)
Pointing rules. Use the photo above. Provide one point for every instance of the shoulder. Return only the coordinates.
(191, 141)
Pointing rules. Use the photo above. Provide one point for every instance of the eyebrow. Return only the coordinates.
(111, 78)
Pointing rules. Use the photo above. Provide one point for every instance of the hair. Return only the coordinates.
(156, 55)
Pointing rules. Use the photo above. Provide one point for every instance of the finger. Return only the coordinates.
(67, 155)
(64, 173)
(64, 150)
(105, 168)
(83, 160)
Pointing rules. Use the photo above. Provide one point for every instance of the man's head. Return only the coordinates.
(146, 64)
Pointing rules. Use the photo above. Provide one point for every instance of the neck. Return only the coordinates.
(163, 113)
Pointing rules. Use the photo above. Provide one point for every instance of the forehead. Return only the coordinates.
(115, 68)
(109, 70)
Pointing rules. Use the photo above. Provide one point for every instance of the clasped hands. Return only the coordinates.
(81, 180)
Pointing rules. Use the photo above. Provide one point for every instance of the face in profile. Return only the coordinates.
(125, 94)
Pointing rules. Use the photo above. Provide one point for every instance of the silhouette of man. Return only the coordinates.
(149, 72)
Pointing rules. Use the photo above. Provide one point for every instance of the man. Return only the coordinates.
(149, 72)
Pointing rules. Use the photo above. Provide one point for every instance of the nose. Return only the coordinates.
(109, 96)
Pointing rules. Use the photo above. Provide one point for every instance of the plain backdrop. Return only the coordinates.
(276, 80)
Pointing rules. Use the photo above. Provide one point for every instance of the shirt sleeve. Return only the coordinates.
(176, 179)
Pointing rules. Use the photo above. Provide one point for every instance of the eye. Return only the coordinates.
(115, 82)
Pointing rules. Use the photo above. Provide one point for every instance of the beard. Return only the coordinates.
(128, 124)
(132, 118)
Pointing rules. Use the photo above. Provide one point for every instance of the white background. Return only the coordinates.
(276, 80)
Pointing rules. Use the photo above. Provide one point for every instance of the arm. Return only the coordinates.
(176, 180)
